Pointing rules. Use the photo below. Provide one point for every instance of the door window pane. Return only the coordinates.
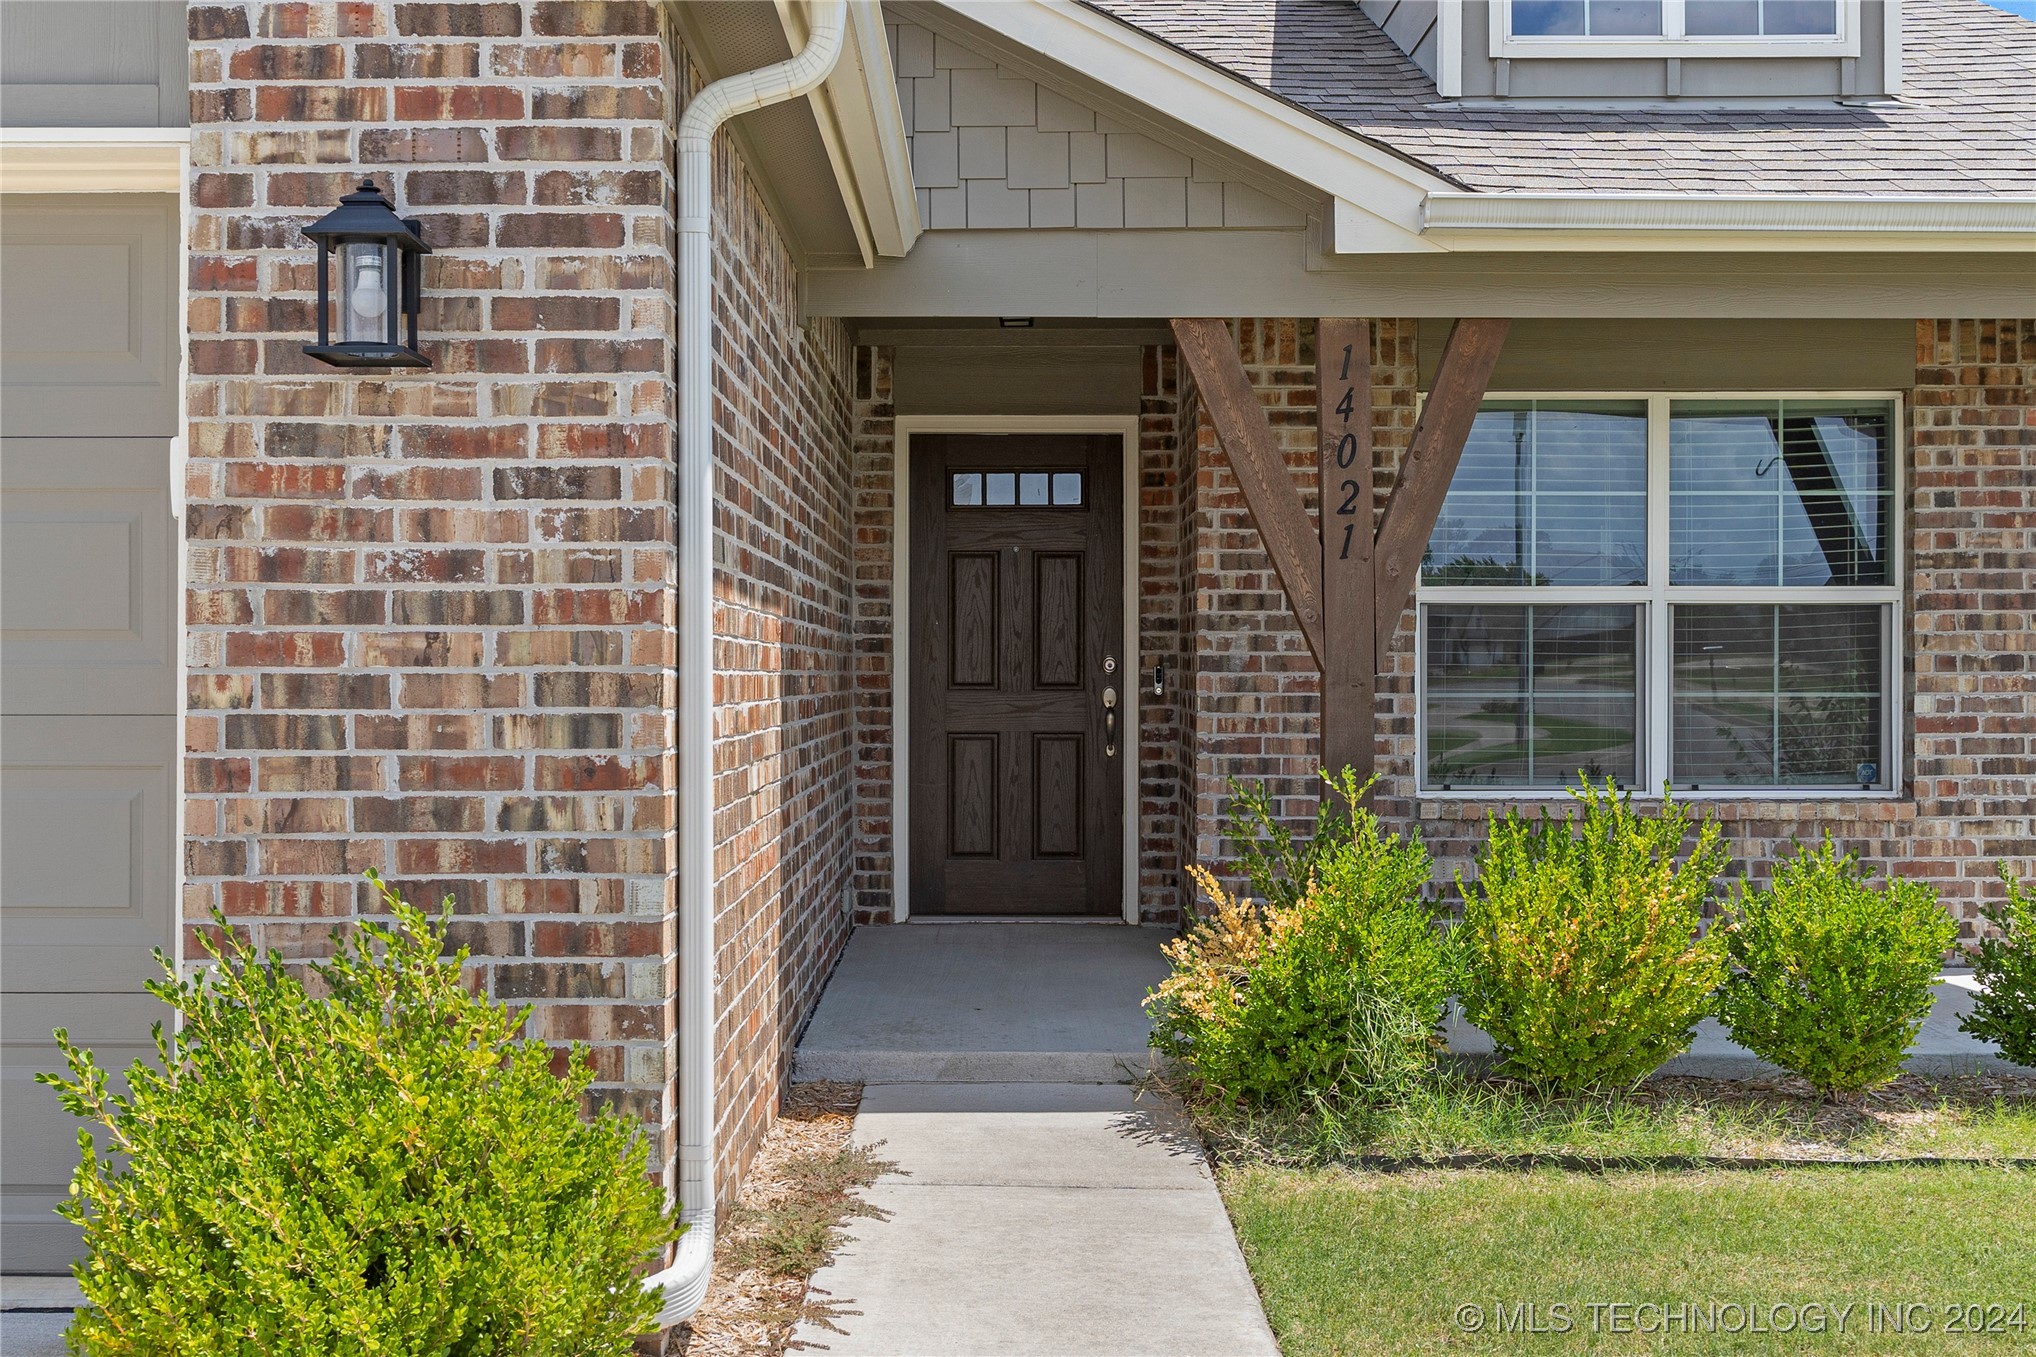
(1067, 488)
(1032, 487)
(1000, 488)
(1529, 696)
(1546, 493)
(968, 488)
(1777, 695)
(1778, 492)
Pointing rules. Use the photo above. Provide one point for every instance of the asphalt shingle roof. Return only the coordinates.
(1965, 124)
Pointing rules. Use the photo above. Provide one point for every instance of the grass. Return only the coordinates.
(1352, 1263)
(1451, 1120)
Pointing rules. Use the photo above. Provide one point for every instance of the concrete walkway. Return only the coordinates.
(1052, 1219)
(1037, 1207)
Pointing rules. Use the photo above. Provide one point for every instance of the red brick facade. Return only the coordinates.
(431, 614)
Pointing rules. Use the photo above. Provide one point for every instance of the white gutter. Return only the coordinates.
(1673, 216)
(684, 1283)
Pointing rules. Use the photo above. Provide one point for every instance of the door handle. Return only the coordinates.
(1109, 723)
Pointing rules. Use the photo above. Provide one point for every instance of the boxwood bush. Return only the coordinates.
(379, 1167)
(2005, 966)
(1580, 950)
(1329, 991)
(1831, 975)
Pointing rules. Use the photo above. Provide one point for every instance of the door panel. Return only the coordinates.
(88, 296)
(87, 808)
(89, 674)
(41, 1145)
(87, 576)
(1016, 803)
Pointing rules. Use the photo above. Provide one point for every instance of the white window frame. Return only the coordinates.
(1653, 632)
(1673, 42)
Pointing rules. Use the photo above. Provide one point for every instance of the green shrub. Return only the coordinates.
(1332, 995)
(1831, 976)
(2005, 966)
(1278, 865)
(1579, 950)
(386, 1169)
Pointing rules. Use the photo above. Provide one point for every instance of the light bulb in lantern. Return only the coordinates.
(366, 294)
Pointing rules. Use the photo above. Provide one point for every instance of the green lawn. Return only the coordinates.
(1353, 1262)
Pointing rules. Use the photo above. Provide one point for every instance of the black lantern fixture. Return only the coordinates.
(373, 301)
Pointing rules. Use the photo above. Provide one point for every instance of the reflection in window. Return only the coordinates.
(1529, 695)
(1760, 18)
(1778, 493)
(1587, 18)
(1781, 695)
(1547, 493)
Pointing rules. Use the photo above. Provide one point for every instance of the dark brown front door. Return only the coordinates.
(1020, 685)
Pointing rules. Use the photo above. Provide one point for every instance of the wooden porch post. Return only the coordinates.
(1347, 586)
(1343, 451)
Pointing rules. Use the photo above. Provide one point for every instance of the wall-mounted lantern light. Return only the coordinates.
(373, 300)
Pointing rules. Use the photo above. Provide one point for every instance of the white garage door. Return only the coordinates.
(88, 664)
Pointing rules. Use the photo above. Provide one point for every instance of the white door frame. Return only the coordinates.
(1126, 428)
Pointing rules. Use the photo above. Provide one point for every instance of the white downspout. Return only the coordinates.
(684, 1283)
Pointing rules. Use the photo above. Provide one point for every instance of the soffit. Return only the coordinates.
(781, 144)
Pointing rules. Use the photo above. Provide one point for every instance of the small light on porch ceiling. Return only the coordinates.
(1015, 322)
(376, 295)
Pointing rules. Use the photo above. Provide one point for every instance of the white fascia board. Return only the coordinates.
(93, 159)
(1686, 222)
(826, 121)
(863, 130)
(862, 94)
(1371, 186)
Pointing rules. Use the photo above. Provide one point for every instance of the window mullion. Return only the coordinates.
(1672, 18)
(1656, 630)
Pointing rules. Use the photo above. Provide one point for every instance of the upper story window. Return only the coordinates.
(1674, 27)
(1701, 591)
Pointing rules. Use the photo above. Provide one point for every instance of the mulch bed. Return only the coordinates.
(799, 1187)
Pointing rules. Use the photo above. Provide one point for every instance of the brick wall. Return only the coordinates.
(431, 613)
(784, 738)
(1969, 732)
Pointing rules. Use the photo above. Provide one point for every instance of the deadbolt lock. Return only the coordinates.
(1109, 664)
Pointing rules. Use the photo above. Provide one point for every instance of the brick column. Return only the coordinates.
(431, 612)
(1972, 581)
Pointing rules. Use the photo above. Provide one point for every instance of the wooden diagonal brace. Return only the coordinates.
(1269, 489)
(1461, 379)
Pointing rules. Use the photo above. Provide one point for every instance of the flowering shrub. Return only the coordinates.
(1580, 950)
(1331, 992)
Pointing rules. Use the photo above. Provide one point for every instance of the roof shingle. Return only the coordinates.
(1965, 124)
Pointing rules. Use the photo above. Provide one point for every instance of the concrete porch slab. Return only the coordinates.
(986, 1003)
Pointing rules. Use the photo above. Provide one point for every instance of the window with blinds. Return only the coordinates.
(1700, 592)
